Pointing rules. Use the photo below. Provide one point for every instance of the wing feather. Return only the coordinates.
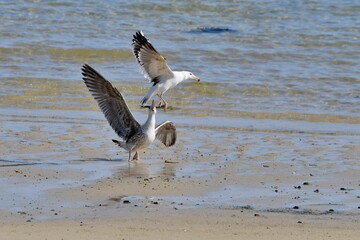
(166, 133)
(152, 64)
(111, 103)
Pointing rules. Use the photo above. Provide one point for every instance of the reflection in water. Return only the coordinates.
(146, 169)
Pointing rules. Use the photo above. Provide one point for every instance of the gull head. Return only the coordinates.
(152, 107)
(190, 75)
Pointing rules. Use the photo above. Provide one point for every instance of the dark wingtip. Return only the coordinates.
(137, 36)
(85, 68)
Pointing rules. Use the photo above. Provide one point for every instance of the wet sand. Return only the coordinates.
(133, 203)
(63, 178)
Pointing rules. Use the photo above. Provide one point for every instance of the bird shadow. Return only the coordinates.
(19, 163)
(100, 160)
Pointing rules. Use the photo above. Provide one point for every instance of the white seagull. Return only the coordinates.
(134, 136)
(155, 68)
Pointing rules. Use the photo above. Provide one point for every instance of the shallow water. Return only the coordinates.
(268, 69)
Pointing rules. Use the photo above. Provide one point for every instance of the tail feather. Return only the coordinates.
(119, 143)
(144, 101)
(149, 95)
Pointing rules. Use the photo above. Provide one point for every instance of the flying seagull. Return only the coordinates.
(155, 68)
(134, 136)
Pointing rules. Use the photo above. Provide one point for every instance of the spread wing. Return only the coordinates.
(153, 65)
(111, 103)
(166, 133)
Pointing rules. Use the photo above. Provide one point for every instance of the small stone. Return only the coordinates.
(316, 190)
(126, 202)
(331, 210)
(306, 183)
(299, 221)
(296, 207)
(257, 215)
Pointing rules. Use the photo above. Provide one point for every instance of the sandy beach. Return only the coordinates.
(138, 206)
(162, 222)
(213, 191)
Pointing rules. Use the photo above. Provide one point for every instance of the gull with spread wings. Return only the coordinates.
(155, 68)
(134, 136)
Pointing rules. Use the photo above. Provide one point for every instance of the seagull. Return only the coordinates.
(156, 70)
(134, 136)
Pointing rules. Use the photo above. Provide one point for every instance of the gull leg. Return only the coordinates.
(129, 156)
(136, 156)
(165, 103)
(160, 100)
